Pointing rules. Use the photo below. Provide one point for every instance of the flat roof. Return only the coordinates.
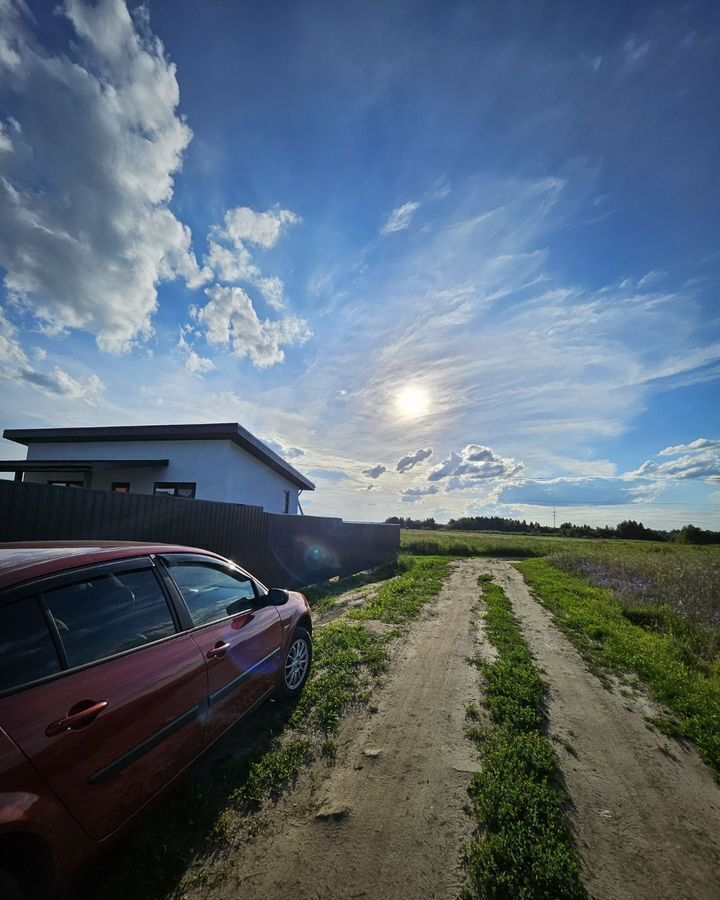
(78, 465)
(228, 431)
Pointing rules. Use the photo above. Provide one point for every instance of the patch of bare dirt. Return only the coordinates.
(387, 822)
(647, 810)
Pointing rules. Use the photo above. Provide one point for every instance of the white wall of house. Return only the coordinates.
(220, 469)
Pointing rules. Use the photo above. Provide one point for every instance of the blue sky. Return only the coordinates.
(485, 230)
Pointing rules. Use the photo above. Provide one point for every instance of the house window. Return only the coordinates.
(176, 488)
(286, 505)
(67, 483)
(120, 487)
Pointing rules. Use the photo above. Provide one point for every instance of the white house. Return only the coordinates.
(206, 462)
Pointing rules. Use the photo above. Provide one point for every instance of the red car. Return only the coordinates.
(120, 664)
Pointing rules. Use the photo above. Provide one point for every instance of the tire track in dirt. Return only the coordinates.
(647, 810)
(392, 822)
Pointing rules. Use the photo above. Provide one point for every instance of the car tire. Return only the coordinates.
(10, 888)
(296, 665)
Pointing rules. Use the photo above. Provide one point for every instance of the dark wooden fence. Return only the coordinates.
(281, 550)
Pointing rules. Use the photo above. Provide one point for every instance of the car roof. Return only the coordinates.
(22, 561)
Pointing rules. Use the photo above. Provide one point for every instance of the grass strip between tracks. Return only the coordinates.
(524, 846)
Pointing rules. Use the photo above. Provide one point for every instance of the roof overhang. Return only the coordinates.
(79, 465)
(227, 431)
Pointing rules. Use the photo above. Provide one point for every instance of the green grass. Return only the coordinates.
(400, 600)
(488, 543)
(321, 597)
(483, 543)
(524, 849)
(665, 659)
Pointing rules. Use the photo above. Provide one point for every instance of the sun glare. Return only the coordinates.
(412, 402)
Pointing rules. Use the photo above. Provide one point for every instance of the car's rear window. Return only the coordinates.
(27, 652)
(102, 616)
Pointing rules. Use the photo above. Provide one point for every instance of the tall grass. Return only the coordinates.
(663, 589)
(476, 543)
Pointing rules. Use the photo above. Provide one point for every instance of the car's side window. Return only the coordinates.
(211, 592)
(99, 617)
(27, 652)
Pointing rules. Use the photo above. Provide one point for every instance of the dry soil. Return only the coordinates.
(387, 822)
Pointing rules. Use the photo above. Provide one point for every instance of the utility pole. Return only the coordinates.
(553, 518)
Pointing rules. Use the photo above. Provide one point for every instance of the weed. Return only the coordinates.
(524, 848)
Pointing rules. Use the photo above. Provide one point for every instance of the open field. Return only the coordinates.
(668, 586)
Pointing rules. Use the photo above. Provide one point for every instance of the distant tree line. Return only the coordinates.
(627, 530)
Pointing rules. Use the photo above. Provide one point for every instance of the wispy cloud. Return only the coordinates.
(400, 218)
(15, 367)
(700, 444)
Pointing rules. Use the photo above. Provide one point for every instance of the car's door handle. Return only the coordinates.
(220, 649)
(74, 719)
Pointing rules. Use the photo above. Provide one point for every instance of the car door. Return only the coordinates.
(239, 635)
(121, 707)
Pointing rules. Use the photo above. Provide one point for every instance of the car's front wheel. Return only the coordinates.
(297, 664)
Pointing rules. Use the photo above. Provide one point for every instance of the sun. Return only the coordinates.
(412, 402)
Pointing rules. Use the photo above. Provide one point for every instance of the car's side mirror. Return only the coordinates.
(276, 597)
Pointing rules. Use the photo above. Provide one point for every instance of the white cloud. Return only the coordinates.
(692, 465)
(229, 319)
(194, 363)
(375, 471)
(231, 261)
(410, 460)
(231, 264)
(260, 228)
(472, 464)
(198, 365)
(400, 218)
(16, 367)
(694, 446)
(86, 232)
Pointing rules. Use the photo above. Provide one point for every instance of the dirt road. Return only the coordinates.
(388, 820)
(647, 811)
